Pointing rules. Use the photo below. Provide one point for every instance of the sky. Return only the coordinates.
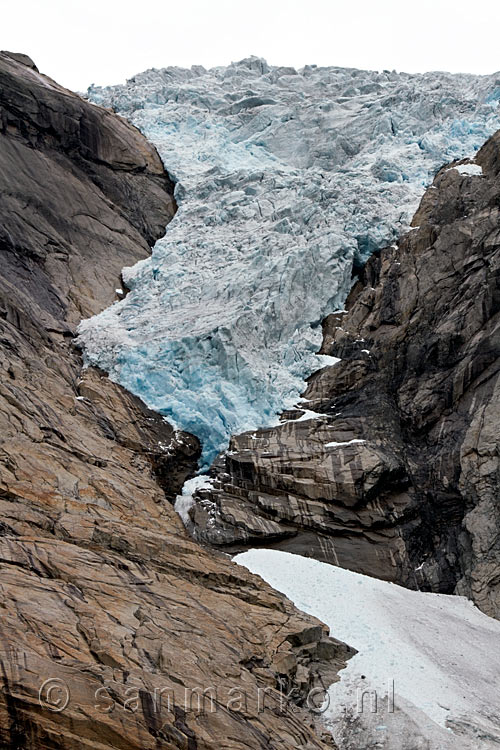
(79, 42)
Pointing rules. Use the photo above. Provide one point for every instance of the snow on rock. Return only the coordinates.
(355, 441)
(284, 178)
(426, 672)
(306, 416)
(469, 169)
(327, 361)
(184, 502)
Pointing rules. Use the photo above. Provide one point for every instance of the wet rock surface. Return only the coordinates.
(106, 605)
(391, 467)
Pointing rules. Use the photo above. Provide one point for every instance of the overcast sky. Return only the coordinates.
(79, 42)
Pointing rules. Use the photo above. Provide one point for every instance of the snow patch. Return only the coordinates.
(348, 442)
(308, 415)
(469, 169)
(328, 361)
(435, 658)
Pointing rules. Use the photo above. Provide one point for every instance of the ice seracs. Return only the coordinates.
(284, 179)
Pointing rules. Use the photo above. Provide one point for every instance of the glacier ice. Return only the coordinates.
(185, 501)
(284, 179)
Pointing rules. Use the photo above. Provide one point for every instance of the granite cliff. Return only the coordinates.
(106, 604)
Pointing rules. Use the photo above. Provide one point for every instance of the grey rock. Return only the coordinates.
(20, 57)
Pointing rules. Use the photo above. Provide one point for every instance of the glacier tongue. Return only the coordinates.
(284, 178)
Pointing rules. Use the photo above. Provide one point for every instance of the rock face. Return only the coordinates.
(391, 468)
(83, 194)
(107, 607)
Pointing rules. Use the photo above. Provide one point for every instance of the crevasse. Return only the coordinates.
(284, 178)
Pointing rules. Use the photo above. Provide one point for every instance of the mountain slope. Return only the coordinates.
(105, 600)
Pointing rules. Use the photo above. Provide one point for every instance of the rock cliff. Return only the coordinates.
(389, 465)
(110, 614)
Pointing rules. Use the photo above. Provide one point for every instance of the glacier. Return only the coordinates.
(285, 179)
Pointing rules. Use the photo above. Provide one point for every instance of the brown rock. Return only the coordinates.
(110, 615)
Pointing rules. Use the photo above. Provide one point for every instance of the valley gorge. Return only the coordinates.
(386, 464)
(391, 466)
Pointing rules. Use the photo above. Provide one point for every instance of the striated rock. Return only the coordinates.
(21, 58)
(110, 615)
(392, 467)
